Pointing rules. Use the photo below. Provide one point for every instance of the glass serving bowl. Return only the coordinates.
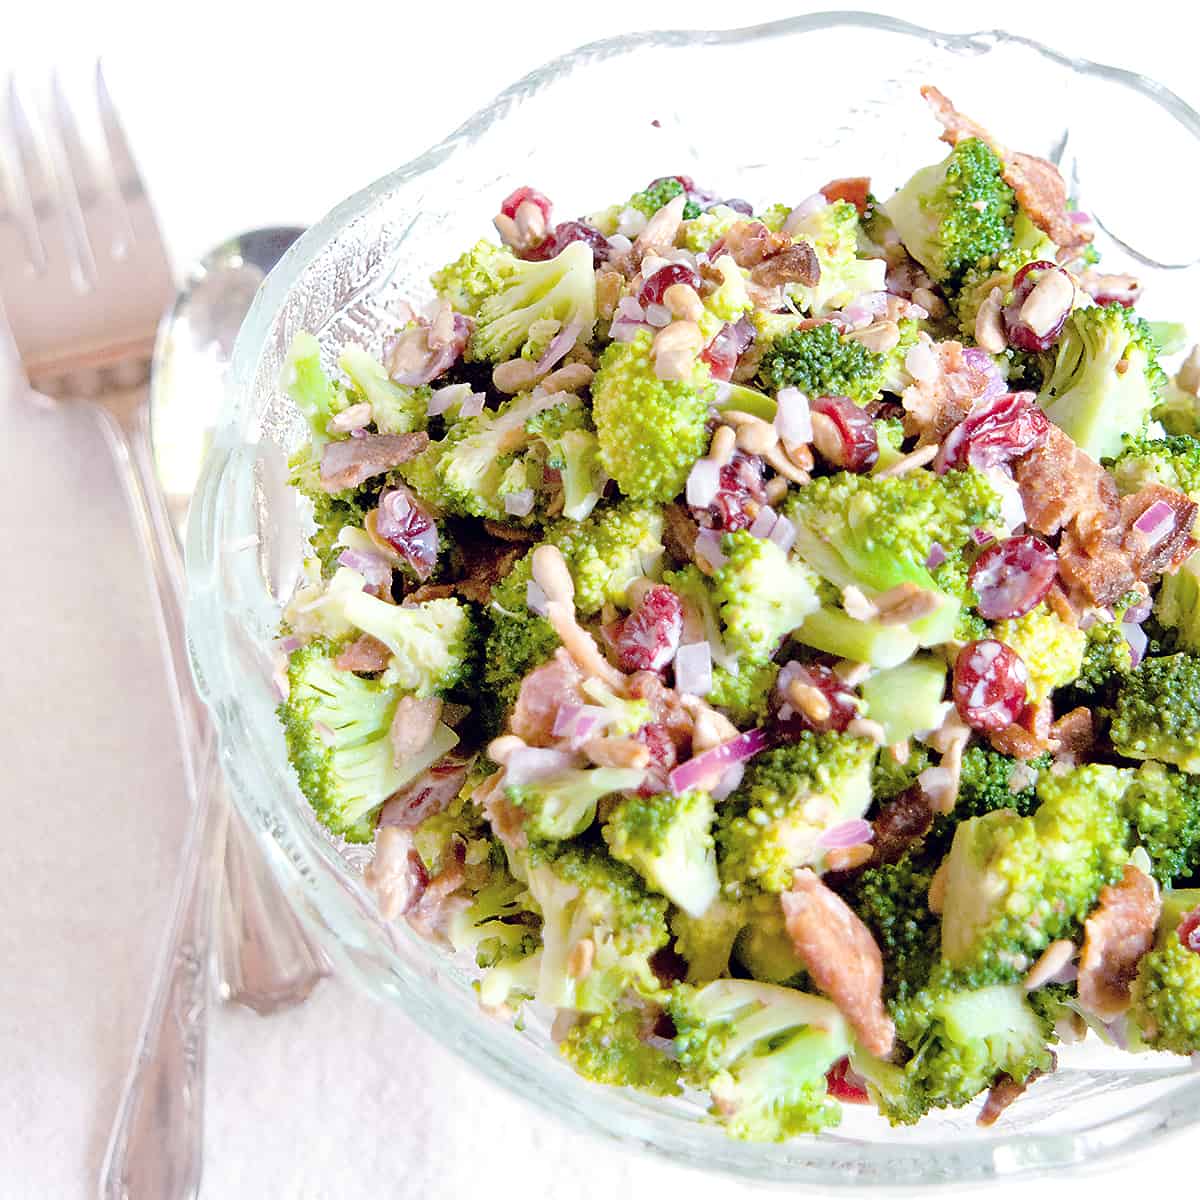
(246, 539)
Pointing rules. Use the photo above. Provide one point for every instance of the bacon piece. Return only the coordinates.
(1165, 553)
(1061, 485)
(679, 533)
(1116, 936)
(854, 189)
(363, 654)
(349, 463)
(751, 242)
(396, 874)
(1028, 736)
(841, 956)
(795, 264)
(429, 793)
(1003, 1092)
(1095, 574)
(1038, 184)
(543, 692)
(1074, 733)
(433, 909)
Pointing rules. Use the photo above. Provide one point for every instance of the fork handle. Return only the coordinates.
(265, 958)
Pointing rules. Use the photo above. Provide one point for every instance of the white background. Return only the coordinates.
(246, 115)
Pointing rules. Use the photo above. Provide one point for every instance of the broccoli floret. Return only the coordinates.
(1104, 380)
(745, 695)
(586, 896)
(609, 1048)
(336, 726)
(907, 700)
(1164, 809)
(821, 361)
(706, 942)
(1173, 462)
(832, 232)
(1015, 884)
(332, 514)
(497, 926)
(889, 434)
(701, 231)
(988, 781)
(764, 949)
(956, 212)
(1156, 713)
(1106, 658)
(474, 276)
(834, 631)
(563, 805)
(663, 191)
(471, 465)
(771, 824)
(961, 1042)
(1051, 649)
(573, 450)
(433, 644)
(394, 409)
(762, 1052)
(561, 289)
(1178, 408)
(1177, 605)
(727, 303)
(651, 430)
(761, 593)
(893, 901)
(1166, 994)
(668, 840)
(876, 533)
(310, 388)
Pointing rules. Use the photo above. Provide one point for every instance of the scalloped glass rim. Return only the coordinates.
(237, 489)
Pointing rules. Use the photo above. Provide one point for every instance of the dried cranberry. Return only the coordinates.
(654, 288)
(990, 685)
(564, 234)
(1189, 931)
(649, 636)
(663, 757)
(729, 344)
(408, 529)
(849, 441)
(739, 206)
(739, 488)
(996, 432)
(1013, 576)
(831, 710)
(514, 200)
(846, 1085)
(1017, 330)
(669, 966)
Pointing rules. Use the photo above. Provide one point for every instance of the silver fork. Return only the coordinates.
(84, 279)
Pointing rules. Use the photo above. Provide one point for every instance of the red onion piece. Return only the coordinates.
(535, 599)
(708, 547)
(935, 557)
(439, 361)
(762, 524)
(706, 770)
(1156, 522)
(783, 534)
(1135, 614)
(440, 399)
(472, 406)
(560, 345)
(693, 669)
(1135, 635)
(864, 309)
(519, 504)
(730, 782)
(374, 568)
(848, 833)
(629, 308)
(805, 209)
(793, 418)
(702, 483)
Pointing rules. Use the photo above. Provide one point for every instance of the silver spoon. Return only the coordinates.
(265, 959)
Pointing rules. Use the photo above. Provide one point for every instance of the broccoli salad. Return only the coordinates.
(765, 639)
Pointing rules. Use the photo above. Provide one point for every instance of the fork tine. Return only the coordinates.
(53, 249)
(125, 172)
(88, 188)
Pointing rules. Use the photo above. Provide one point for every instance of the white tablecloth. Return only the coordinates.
(238, 119)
